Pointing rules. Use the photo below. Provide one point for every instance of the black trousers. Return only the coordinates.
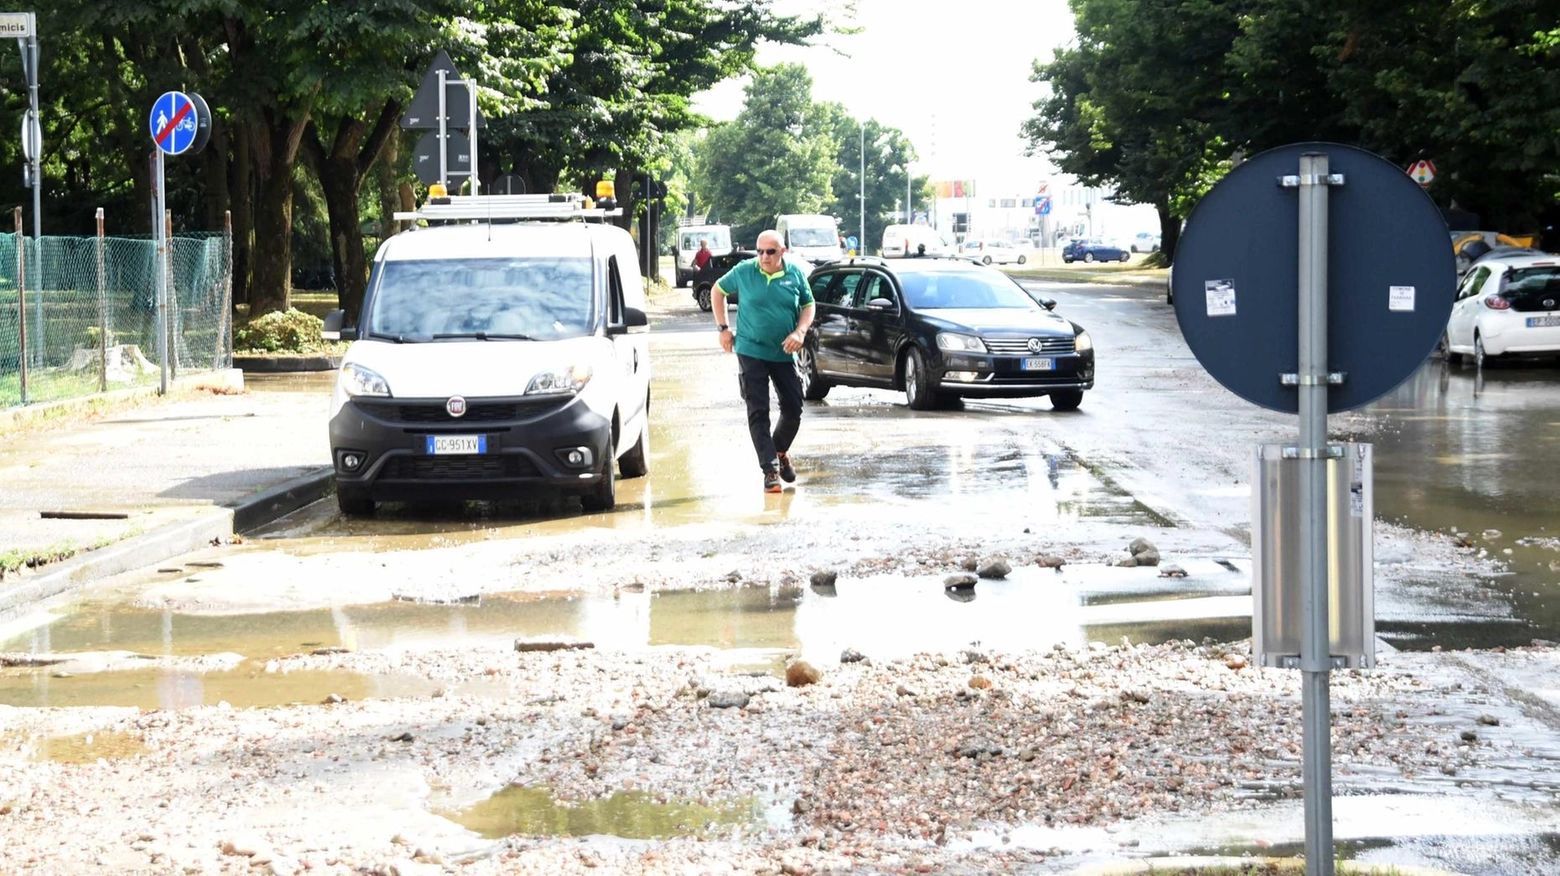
(755, 377)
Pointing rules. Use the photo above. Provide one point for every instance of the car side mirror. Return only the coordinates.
(880, 304)
(1047, 302)
(334, 330)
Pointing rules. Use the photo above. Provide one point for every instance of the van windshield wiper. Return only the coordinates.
(399, 339)
(484, 336)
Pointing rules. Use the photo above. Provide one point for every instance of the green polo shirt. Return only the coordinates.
(768, 306)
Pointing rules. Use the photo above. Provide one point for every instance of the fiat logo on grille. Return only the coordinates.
(1036, 345)
(455, 406)
(1549, 303)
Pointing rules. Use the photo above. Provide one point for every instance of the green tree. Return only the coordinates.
(775, 157)
(886, 169)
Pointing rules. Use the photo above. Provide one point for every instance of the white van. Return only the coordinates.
(812, 236)
(900, 241)
(493, 359)
(688, 239)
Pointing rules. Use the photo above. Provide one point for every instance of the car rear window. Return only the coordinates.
(540, 298)
(1530, 288)
(944, 290)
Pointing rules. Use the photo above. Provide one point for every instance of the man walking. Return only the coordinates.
(775, 308)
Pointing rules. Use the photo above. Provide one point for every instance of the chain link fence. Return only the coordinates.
(79, 315)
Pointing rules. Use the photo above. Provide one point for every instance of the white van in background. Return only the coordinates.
(900, 241)
(812, 236)
(688, 239)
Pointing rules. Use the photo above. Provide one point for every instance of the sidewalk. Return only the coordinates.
(129, 479)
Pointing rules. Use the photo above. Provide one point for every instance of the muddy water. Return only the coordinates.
(1475, 454)
(627, 814)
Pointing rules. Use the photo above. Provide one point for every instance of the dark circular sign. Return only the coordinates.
(1391, 275)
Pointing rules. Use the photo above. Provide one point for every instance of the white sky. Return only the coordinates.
(954, 76)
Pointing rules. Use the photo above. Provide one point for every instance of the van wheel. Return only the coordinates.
(985, 260)
(1066, 401)
(354, 501)
(702, 295)
(1022, 259)
(814, 387)
(602, 496)
(636, 462)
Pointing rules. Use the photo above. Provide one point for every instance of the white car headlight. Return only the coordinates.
(568, 380)
(1083, 342)
(962, 343)
(355, 380)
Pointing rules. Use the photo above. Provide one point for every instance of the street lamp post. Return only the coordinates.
(861, 242)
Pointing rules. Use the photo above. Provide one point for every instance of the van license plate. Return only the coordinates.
(442, 445)
(1543, 321)
(1039, 365)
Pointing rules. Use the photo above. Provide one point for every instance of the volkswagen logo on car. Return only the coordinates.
(1036, 345)
(455, 406)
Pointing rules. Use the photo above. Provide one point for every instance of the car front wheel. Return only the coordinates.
(1125, 257)
(1088, 257)
(354, 501)
(1066, 401)
(702, 295)
(919, 393)
(814, 387)
(985, 260)
(1022, 259)
(1478, 350)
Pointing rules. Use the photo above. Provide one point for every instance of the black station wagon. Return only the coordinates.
(939, 329)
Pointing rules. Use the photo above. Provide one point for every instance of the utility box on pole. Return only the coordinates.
(1277, 587)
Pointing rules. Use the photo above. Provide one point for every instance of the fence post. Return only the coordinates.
(102, 290)
(21, 303)
(225, 324)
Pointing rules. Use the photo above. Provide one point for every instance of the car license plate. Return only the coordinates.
(1543, 321)
(441, 445)
(1039, 365)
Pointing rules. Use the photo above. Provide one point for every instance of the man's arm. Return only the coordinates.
(728, 335)
(794, 340)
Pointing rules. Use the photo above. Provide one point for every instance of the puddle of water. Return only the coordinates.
(1449, 461)
(523, 811)
(248, 686)
(90, 747)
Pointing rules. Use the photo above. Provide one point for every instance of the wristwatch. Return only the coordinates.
(722, 327)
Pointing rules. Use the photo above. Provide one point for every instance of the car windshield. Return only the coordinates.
(538, 298)
(814, 237)
(972, 290)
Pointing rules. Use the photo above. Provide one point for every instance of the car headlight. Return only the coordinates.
(962, 343)
(1083, 342)
(355, 380)
(568, 380)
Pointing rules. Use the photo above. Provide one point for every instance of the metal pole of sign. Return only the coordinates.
(1316, 642)
(444, 141)
(159, 236)
(471, 93)
(31, 51)
(861, 242)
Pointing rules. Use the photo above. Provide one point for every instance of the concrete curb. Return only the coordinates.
(282, 499)
(209, 525)
(285, 364)
(1172, 865)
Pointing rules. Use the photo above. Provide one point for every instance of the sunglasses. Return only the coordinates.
(769, 252)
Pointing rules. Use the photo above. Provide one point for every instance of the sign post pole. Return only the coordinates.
(160, 240)
(1316, 646)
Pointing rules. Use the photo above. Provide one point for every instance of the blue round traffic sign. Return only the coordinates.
(173, 122)
(851, 241)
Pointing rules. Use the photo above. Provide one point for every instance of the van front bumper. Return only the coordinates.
(385, 447)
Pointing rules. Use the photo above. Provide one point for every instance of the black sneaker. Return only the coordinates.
(787, 473)
(771, 481)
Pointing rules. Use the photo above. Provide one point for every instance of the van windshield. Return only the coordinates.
(540, 298)
(814, 237)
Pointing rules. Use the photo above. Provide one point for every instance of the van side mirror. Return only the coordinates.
(334, 330)
(634, 322)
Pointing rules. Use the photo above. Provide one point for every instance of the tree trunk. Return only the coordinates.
(242, 195)
(214, 164)
(273, 243)
(354, 149)
(1169, 232)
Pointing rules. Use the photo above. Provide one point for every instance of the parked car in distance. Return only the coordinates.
(1093, 250)
(939, 329)
(992, 251)
(903, 241)
(1506, 306)
(1145, 241)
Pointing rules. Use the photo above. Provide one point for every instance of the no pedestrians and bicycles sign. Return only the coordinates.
(180, 123)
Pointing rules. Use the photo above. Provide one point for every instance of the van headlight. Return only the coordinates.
(1083, 342)
(356, 380)
(568, 380)
(962, 343)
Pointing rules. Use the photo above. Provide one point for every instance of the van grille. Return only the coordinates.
(458, 468)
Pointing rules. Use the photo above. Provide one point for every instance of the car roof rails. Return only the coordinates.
(492, 208)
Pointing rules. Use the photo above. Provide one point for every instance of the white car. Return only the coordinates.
(1506, 306)
(992, 251)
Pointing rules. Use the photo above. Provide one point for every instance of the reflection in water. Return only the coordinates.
(1470, 451)
(522, 811)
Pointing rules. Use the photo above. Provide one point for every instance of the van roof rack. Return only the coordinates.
(505, 207)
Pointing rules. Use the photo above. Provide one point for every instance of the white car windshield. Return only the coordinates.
(959, 291)
(814, 237)
(526, 298)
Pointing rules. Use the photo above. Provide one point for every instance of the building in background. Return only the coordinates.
(1044, 211)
